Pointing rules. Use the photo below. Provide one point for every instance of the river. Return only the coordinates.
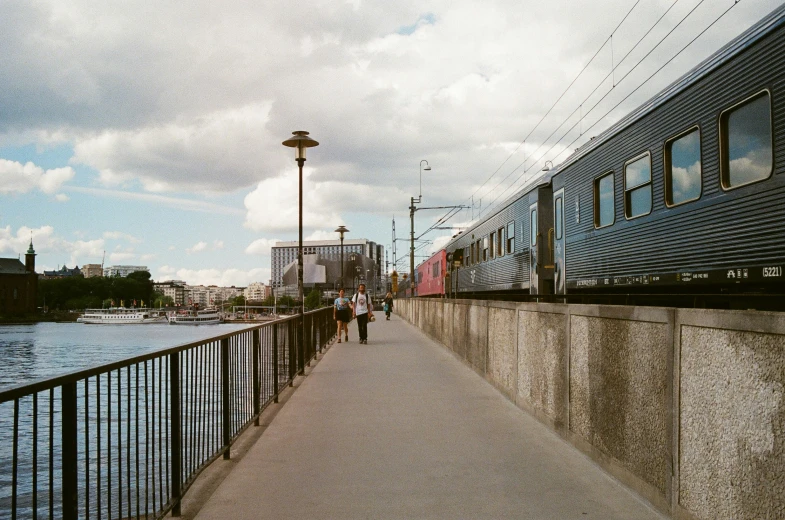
(40, 350)
(35, 351)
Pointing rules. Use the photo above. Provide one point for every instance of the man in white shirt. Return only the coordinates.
(362, 309)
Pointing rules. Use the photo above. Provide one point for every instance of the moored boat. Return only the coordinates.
(207, 316)
(121, 316)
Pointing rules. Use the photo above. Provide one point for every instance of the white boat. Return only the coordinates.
(207, 316)
(121, 316)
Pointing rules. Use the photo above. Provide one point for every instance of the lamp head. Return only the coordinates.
(300, 141)
(342, 230)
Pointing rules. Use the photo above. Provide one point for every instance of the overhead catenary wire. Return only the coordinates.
(585, 67)
(580, 106)
(569, 146)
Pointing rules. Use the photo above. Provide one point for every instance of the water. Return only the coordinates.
(30, 352)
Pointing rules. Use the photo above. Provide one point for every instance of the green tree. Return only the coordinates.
(313, 300)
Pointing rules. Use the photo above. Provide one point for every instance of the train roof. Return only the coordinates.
(759, 30)
(770, 22)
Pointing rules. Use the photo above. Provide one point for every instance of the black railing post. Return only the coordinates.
(70, 468)
(256, 383)
(292, 365)
(301, 344)
(175, 427)
(275, 362)
(307, 322)
(226, 398)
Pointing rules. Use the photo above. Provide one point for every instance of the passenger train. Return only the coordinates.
(684, 198)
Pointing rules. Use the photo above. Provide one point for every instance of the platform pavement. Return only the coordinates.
(399, 428)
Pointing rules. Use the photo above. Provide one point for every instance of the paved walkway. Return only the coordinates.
(399, 428)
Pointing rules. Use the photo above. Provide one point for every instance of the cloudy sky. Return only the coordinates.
(152, 131)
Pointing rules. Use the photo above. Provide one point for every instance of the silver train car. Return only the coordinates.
(683, 198)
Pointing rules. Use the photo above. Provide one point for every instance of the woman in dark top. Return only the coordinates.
(388, 305)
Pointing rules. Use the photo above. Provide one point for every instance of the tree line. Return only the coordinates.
(78, 293)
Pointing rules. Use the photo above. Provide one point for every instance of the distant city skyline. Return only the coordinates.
(120, 147)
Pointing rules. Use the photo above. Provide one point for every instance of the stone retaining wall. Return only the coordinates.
(687, 407)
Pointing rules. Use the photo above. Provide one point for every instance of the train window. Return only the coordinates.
(637, 186)
(491, 241)
(745, 142)
(683, 172)
(466, 259)
(533, 234)
(473, 257)
(559, 209)
(604, 209)
(435, 271)
(510, 237)
(485, 249)
(500, 242)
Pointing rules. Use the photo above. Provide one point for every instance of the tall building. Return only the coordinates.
(123, 270)
(175, 289)
(285, 253)
(210, 295)
(18, 284)
(256, 292)
(92, 270)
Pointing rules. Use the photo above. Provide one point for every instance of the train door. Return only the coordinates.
(559, 250)
(534, 280)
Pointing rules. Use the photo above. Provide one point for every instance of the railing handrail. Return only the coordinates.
(199, 397)
(46, 383)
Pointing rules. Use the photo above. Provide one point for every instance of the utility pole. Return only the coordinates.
(413, 280)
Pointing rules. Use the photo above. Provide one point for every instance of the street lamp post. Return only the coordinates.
(300, 141)
(341, 230)
(412, 209)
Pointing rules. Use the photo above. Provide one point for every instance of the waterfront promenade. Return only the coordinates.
(399, 428)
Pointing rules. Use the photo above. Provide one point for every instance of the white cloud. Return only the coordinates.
(119, 235)
(196, 248)
(16, 177)
(211, 152)
(172, 202)
(47, 242)
(219, 277)
(62, 197)
(261, 247)
(273, 205)
(322, 234)
(204, 246)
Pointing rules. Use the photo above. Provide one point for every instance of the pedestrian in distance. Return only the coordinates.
(362, 309)
(388, 305)
(342, 313)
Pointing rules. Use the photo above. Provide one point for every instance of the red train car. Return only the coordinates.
(430, 275)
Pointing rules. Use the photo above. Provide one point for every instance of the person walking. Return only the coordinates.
(342, 313)
(388, 305)
(362, 309)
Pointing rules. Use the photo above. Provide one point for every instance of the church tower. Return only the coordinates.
(30, 258)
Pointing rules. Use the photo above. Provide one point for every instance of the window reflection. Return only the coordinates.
(637, 187)
(533, 234)
(604, 213)
(683, 168)
(746, 142)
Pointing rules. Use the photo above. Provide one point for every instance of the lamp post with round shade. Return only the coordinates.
(341, 230)
(300, 141)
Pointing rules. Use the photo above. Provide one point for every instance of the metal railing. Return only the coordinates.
(127, 439)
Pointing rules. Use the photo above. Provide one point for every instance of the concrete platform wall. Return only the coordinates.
(687, 407)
